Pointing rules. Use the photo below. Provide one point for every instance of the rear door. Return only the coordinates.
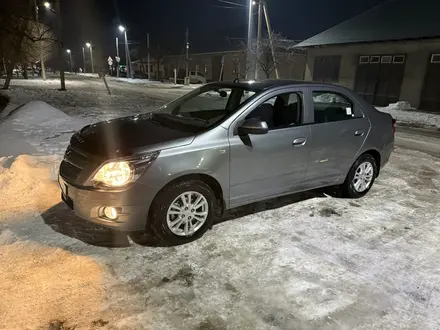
(338, 132)
(266, 165)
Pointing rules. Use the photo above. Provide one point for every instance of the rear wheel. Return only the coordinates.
(182, 212)
(360, 178)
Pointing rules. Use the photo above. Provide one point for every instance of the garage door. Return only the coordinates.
(379, 78)
(430, 98)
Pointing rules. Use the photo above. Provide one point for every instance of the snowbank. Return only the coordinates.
(400, 105)
(36, 127)
(404, 113)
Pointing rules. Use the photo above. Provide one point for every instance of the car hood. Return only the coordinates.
(127, 136)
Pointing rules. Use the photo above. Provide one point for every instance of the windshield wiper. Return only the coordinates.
(181, 118)
(194, 119)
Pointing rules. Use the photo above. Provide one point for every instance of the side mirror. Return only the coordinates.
(253, 126)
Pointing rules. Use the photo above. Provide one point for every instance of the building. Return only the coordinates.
(230, 63)
(140, 68)
(389, 53)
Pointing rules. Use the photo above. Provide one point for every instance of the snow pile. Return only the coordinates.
(133, 81)
(36, 127)
(28, 182)
(404, 113)
(400, 105)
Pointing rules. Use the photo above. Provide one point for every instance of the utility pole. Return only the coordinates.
(187, 56)
(43, 69)
(249, 42)
(84, 59)
(117, 57)
(148, 56)
(269, 31)
(127, 56)
(60, 46)
(91, 58)
(260, 19)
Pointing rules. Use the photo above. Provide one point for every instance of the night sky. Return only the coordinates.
(209, 21)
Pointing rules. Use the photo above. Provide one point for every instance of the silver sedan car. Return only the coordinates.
(170, 173)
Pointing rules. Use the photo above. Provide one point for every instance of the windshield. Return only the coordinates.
(206, 106)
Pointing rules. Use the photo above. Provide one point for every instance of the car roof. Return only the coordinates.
(270, 83)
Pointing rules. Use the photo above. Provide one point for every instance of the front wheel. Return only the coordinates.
(182, 212)
(360, 178)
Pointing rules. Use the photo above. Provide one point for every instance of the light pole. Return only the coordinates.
(89, 45)
(70, 59)
(127, 51)
(43, 68)
(84, 59)
(249, 40)
(117, 57)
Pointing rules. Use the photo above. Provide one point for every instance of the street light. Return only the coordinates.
(47, 5)
(70, 58)
(89, 46)
(127, 51)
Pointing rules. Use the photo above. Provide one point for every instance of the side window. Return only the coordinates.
(329, 106)
(281, 111)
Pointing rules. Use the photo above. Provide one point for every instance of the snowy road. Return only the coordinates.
(304, 261)
(425, 140)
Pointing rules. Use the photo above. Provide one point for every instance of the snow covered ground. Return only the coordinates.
(304, 261)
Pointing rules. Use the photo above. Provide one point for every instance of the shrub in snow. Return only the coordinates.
(4, 101)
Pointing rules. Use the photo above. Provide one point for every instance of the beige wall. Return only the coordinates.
(417, 58)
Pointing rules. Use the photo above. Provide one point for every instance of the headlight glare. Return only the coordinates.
(114, 174)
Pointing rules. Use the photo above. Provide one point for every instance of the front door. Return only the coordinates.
(338, 133)
(262, 166)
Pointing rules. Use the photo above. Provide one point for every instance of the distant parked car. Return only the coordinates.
(140, 75)
(194, 77)
(170, 173)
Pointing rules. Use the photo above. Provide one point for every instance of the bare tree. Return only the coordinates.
(158, 53)
(21, 38)
(262, 52)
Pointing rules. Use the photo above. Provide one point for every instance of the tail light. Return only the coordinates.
(394, 126)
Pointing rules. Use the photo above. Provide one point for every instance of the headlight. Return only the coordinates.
(114, 174)
(123, 172)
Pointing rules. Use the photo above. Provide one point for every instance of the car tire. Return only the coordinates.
(361, 170)
(158, 216)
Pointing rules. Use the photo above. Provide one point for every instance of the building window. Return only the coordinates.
(374, 59)
(326, 68)
(435, 58)
(399, 59)
(386, 59)
(364, 59)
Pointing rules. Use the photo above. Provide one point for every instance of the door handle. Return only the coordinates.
(299, 141)
(359, 133)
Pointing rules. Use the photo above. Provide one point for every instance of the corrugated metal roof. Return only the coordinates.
(392, 20)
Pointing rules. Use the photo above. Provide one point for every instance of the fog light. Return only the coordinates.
(110, 213)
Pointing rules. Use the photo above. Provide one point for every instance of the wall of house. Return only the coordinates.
(417, 58)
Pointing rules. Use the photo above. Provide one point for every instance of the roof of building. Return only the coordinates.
(391, 21)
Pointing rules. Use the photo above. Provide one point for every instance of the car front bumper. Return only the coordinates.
(133, 203)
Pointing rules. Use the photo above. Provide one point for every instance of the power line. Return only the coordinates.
(232, 3)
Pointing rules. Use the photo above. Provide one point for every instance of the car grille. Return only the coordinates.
(69, 171)
(73, 163)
